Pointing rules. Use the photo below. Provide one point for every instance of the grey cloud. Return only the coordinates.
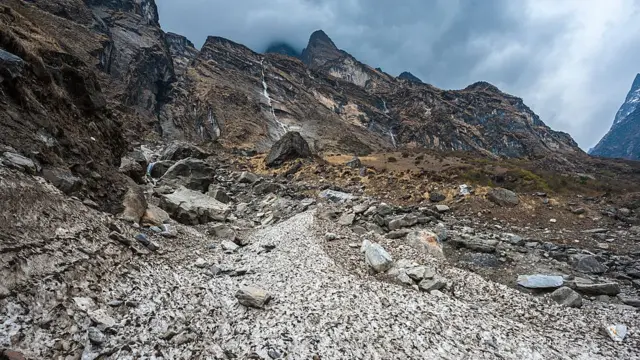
(572, 61)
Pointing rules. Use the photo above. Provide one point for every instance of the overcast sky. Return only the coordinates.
(572, 61)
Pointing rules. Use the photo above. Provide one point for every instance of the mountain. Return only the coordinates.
(282, 48)
(109, 63)
(409, 76)
(623, 139)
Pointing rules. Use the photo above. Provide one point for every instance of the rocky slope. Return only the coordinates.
(339, 268)
(623, 139)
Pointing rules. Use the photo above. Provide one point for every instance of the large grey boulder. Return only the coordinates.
(566, 296)
(179, 150)
(192, 207)
(540, 281)
(377, 257)
(291, 146)
(610, 288)
(503, 197)
(191, 173)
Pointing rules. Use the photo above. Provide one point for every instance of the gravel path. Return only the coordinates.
(319, 309)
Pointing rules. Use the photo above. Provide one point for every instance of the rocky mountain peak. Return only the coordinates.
(483, 85)
(405, 75)
(623, 139)
(320, 49)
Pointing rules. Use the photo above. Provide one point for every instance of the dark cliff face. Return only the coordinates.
(623, 139)
(405, 75)
(182, 52)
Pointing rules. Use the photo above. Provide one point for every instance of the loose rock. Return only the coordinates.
(566, 296)
(253, 297)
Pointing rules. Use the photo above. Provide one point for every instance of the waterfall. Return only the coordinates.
(265, 93)
(393, 138)
(384, 104)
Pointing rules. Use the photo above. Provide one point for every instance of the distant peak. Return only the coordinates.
(482, 85)
(320, 36)
(636, 83)
(319, 50)
(409, 76)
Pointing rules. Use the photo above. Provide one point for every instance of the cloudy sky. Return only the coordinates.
(572, 61)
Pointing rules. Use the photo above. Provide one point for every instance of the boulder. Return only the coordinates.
(336, 196)
(616, 332)
(540, 281)
(436, 196)
(64, 180)
(610, 288)
(432, 284)
(346, 219)
(631, 301)
(219, 194)
(154, 216)
(192, 207)
(377, 257)
(267, 188)
(442, 208)
(191, 173)
(503, 197)
(134, 203)
(419, 273)
(19, 162)
(248, 178)
(253, 297)
(291, 146)
(11, 66)
(132, 169)
(157, 169)
(403, 221)
(425, 241)
(179, 150)
(566, 296)
(588, 264)
(224, 232)
(478, 245)
(354, 163)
